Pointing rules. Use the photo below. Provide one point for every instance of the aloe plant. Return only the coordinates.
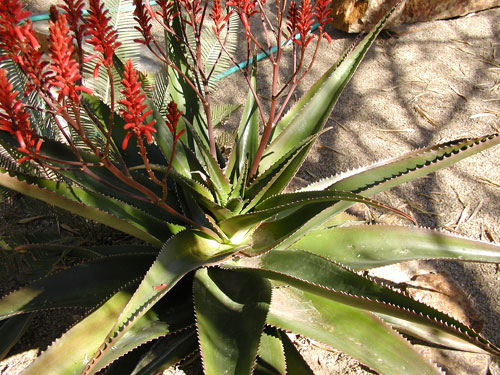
(230, 261)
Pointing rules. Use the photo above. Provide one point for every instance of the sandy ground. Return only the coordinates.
(419, 85)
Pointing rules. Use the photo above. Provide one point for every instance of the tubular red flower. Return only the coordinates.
(322, 11)
(193, 9)
(133, 109)
(168, 10)
(142, 17)
(20, 44)
(103, 36)
(304, 23)
(245, 9)
(65, 67)
(217, 15)
(15, 120)
(173, 116)
(74, 9)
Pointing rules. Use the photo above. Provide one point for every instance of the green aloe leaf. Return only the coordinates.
(84, 285)
(309, 114)
(88, 204)
(231, 310)
(11, 331)
(350, 330)
(70, 353)
(409, 166)
(318, 275)
(295, 363)
(167, 352)
(181, 254)
(277, 177)
(272, 358)
(377, 178)
(157, 322)
(72, 205)
(217, 178)
(368, 246)
(247, 140)
(239, 225)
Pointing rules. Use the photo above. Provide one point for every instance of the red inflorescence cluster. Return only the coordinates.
(301, 23)
(73, 10)
(142, 17)
(133, 107)
(20, 43)
(245, 9)
(102, 35)
(217, 15)
(173, 116)
(15, 120)
(168, 10)
(300, 20)
(65, 67)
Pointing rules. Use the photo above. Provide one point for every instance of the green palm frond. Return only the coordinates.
(160, 94)
(45, 126)
(122, 19)
(215, 60)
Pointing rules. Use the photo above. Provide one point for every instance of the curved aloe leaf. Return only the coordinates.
(367, 246)
(167, 352)
(278, 355)
(184, 252)
(295, 363)
(150, 326)
(11, 331)
(409, 166)
(368, 182)
(105, 210)
(350, 330)
(247, 140)
(277, 177)
(308, 116)
(80, 341)
(217, 178)
(241, 224)
(84, 285)
(271, 358)
(318, 275)
(230, 313)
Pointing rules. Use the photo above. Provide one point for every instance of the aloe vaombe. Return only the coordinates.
(230, 262)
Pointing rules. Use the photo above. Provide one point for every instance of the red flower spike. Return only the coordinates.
(217, 15)
(65, 67)
(168, 10)
(322, 12)
(74, 9)
(173, 116)
(15, 120)
(194, 10)
(293, 19)
(300, 21)
(103, 37)
(246, 9)
(20, 44)
(142, 17)
(133, 107)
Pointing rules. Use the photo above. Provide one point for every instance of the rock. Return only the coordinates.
(361, 15)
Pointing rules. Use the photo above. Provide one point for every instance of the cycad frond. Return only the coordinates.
(121, 13)
(160, 93)
(35, 105)
(215, 59)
